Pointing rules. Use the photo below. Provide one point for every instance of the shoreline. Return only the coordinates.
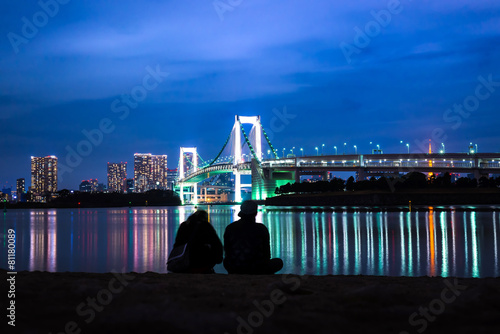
(417, 198)
(221, 303)
(420, 200)
(315, 208)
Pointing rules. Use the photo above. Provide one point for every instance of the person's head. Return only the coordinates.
(199, 215)
(248, 209)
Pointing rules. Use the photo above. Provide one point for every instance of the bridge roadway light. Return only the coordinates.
(322, 146)
(335, 147)
(292, 149)
(408, 146)
(355, 149)
(269, 154)
(283, 153)
(443, 148)
(344, 147)
(302, 151)
(316, 150)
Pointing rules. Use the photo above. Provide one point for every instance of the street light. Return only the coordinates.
(283, 153)
(302, 151)
(401, 142)
(292, 149)
(335, 147)
(322, 146)
(408, 145)
(316, 150)
(344, 147)
(378, 149)
(355, 149)
(476, 148)
(269, 154)
(444, 150)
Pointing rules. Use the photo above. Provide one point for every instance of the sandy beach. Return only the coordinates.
(175, 303)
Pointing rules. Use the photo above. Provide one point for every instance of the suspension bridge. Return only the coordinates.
(243, 154)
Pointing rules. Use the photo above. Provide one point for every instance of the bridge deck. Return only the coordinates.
(484, 163)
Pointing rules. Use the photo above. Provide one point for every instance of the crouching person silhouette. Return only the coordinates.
(246, 244)
(203, 250)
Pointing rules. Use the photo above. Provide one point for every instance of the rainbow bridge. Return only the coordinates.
(244, 156)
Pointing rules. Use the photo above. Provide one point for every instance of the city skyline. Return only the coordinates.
(96, 82)
(371, 149)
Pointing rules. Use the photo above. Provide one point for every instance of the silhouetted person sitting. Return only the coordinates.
(205, 247)
(246, 244)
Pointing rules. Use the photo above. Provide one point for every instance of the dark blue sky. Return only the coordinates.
(398, 79)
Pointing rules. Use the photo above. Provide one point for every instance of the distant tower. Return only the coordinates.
(430, 152)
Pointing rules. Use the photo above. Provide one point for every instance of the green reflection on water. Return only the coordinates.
(417, 226)
(475, 249)
(403, 250)
(444, 244)
(410, 248)
(466, 238)
(357, 246)
(345, 248)
(335, 244)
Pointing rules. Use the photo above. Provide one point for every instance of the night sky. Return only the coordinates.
(318, 72)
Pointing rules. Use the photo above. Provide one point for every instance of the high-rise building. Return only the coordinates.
(43, 177)
(129, 186)
(7, 194)
(117, 177)
(92, 185)
(150, 172)
(142, 171)
(172, 176)
(160, 172)
(101, 188)
(21, 190)
(85, 186)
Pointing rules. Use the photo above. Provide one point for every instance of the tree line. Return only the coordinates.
(413, 180)
(68, 199)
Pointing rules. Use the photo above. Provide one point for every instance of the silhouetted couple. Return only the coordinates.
(246, 244)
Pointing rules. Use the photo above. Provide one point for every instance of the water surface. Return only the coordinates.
(447, 242)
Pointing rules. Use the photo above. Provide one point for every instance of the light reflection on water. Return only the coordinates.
(433, 243)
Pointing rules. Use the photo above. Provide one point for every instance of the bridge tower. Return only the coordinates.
(182, 173)
(255, 148)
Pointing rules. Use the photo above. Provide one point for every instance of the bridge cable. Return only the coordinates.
(223, 147)
(203, 162)
(268, 141)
